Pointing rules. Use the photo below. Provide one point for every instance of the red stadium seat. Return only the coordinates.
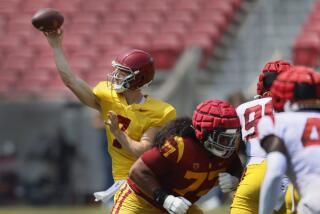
(20, 19)
(44, 62)
(178, 28)
(159, 6)
(85, 30)
(190, 6)
(8, 7)
(207, 28)
(104, 42)
(21, 30)
(114, 52)
(219, 6)
(3, 21)
(42, 72)
(5, 90)
(17, 54)
(74, 43)
(316, 6)
(105, 59)
(315, 16)
(19, 24)
(29, 86)
(16, 63)
(39, 44)
(136, 42)
(311, 26)
(103, 63)
(216, 18)
(10, 42)
(154, 17)
(165, 48)
(236, 4)
(116, 18)
(306, 50)
(98, 6)
(84, 19)
(141, 28)
(34, 5)
(125, 7)
(202, 41)
(8, 77)
(183, 16)
(199, 40)
(91, 53)
(112, 29)
(56, 90)
(81, 65)
(97, 75)
(41, 77)
(67, 7)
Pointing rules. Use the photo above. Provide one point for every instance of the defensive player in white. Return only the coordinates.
(246, 198)
(292, 139)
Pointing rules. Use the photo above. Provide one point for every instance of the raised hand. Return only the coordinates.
(54, 38)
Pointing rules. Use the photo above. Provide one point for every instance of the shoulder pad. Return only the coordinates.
(173, 149)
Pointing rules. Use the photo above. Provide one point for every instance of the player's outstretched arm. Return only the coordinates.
(79, 87)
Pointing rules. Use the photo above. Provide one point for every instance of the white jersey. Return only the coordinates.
(249, 114)
(300, 132)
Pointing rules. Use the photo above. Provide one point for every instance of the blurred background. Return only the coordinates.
(53, 150)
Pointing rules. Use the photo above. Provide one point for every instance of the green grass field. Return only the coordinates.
(73, 210)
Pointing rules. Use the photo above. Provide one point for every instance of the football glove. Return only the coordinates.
(176, 205)
(227, 182)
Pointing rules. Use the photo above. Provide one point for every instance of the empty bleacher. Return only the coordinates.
(306, 47)
(96, 31)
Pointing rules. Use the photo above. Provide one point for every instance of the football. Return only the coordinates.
(47, 20)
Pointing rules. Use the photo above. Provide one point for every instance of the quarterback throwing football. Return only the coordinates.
(132, 118)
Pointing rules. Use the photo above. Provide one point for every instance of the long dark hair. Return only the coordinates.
(179, 127)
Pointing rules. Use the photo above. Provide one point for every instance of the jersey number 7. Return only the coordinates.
(125, 124)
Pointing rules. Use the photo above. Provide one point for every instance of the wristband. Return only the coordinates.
(160, 195)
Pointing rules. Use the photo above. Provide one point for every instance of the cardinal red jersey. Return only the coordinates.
(184, 168)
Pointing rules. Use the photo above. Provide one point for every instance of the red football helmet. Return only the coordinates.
(297, 89)
(269, 74)
(133, 70)
(217, 126)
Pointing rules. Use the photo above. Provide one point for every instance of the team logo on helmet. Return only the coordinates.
(297, 89)
(133, 70)
(217, 127)
(269, 73)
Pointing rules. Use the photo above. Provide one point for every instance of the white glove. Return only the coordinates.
(227, 182)
(176, 205)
